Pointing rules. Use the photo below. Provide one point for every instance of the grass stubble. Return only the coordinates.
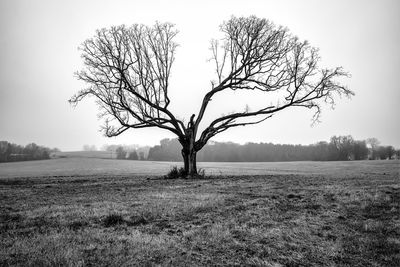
(265, 220)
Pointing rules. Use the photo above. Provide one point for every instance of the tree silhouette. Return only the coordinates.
(133, 155)
(121, 153)
(128, 69)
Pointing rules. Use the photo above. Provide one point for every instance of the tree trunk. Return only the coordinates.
(188, 149)
(185, 156)
(189, 161)
(192, 164)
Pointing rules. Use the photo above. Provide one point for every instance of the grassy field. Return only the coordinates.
(98, 212)
(86, 154)
(83, 165)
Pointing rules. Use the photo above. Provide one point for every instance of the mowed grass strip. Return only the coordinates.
(269, 220)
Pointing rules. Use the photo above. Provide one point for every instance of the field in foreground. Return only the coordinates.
(342, 214)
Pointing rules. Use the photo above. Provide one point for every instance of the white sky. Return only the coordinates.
(38, 56)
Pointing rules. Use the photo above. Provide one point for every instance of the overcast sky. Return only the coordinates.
(39, 55)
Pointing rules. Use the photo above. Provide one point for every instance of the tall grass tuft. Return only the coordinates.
(175, 173)
(112, 220)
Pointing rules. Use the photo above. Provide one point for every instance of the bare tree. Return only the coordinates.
(128, 69)
(374, 143)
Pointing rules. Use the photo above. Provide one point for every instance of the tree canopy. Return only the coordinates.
(127, 69)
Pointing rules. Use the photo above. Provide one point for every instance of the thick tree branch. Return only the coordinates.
(128, 71)
(257, 55)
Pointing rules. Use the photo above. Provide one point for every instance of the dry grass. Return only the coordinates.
(266, 220)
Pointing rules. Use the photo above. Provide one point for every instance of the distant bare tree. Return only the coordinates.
(390, 151)
(133, 155)
(344, 146)
(374, 144)
(128, 69)
(121, 153)
(141, 155)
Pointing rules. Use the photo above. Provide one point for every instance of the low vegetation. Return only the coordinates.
(344, 219)
(175, 173)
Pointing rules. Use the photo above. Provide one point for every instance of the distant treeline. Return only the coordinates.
(12, 152)
(132, 152)
(339, 148)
